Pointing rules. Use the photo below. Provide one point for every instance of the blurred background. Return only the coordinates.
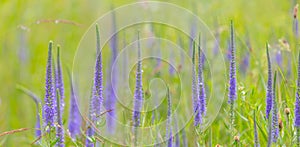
(27, 26)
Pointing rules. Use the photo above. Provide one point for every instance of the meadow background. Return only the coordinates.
(24, 44)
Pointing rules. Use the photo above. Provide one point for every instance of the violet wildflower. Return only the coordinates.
(112, 81)
(59, 127)
(201, 85)
(59, 100)
(232, 75)
(195, 94)
(97, 91)
(74, 117)
(48, 108)
(138, 94)
(169, 120)
(59, 81)
(256, 141)
(297, 105)
(232, 95)
(98, 78)
(275, 130)
(269, 85)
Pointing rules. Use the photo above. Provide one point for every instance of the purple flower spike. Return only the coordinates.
(169, 120)
(275, 129)
(59, 81)
(201, 85)
(48, 108)
(59, 127)
(112, 81)
(98, 78)
(269, 86)
(138, 95)
(297, 105)
(74, 117)
(232, 75)
(195, 90)
(97, 91)
(59, 101)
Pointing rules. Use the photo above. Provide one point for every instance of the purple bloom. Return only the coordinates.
(98, 79)
(256, 141)
(138, 95)
(169, 120)
(201, 85)
(59, 81)
(275, 130)
(74, 117)
(232, 75)
(112, 81)
(195, 94)
(59, 100)
(97, 91)
(59, 128)
(297, 102)
(269, 86)
(48, 108)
